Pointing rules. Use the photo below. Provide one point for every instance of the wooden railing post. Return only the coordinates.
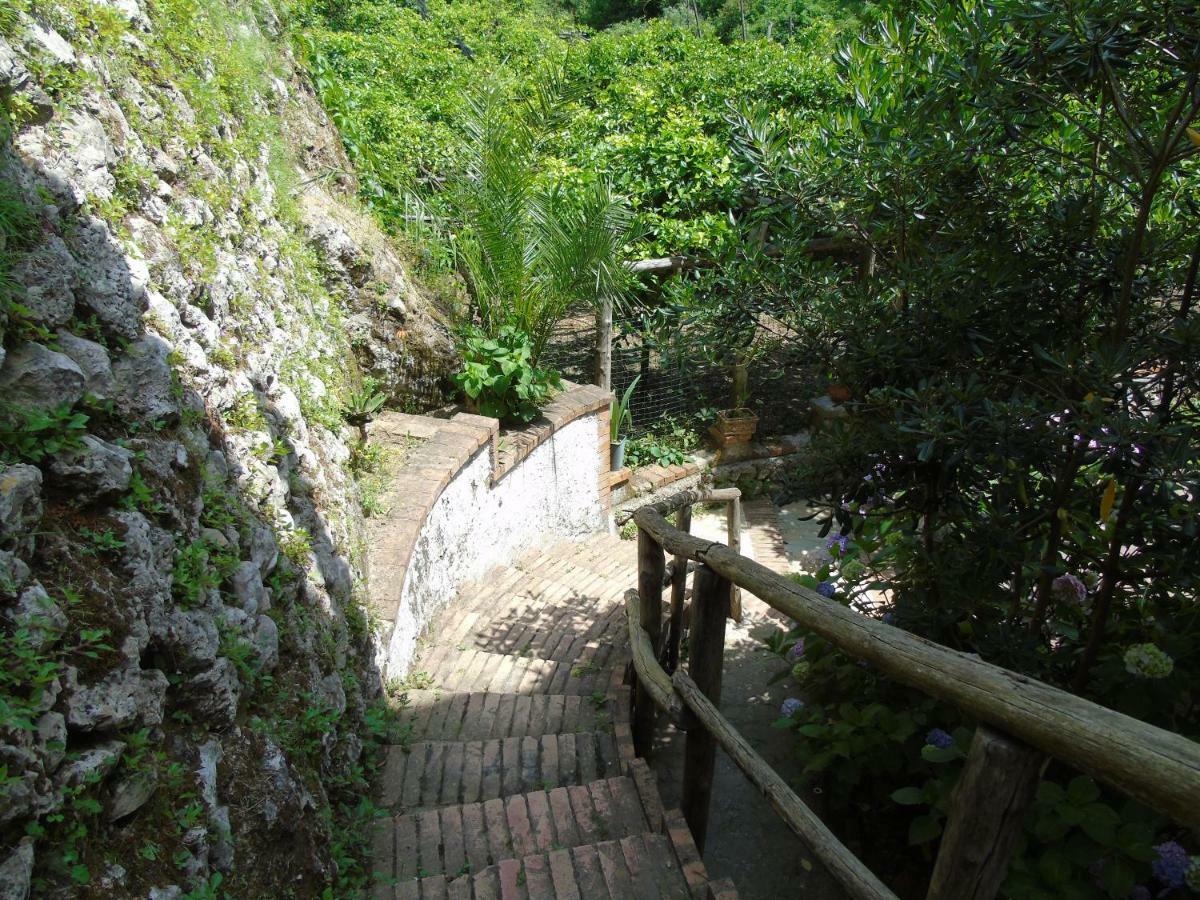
(733, 523)
(683, 521)
(710, 607)
(652, 565)
(985, 817)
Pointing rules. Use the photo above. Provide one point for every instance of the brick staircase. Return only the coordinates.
(520, 780)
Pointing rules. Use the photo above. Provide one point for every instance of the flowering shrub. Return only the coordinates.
(1147, 661)
(862, 737)
(939, 739)
(1067, 588)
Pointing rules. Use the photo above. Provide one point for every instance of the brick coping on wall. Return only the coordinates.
(445, 447)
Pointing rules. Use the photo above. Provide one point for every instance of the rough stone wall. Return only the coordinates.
(476, 524)
(189, 300)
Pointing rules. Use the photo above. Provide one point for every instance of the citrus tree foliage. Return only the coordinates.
(644, 105)
(1021, 469)
(786, 20)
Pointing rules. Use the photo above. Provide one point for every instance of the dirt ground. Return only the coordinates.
(747, 841)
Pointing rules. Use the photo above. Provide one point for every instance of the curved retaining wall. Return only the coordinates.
(470, 498)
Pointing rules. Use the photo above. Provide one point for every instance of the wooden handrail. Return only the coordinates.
(650, 674)
(1155, 766)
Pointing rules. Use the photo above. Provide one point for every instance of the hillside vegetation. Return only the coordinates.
(646, 105)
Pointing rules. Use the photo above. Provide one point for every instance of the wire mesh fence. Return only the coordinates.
(672, 384)
(676, 382)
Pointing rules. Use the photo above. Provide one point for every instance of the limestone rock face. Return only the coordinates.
(178, 521)
(93, 763)
(20, 501)
(131, 793)
(142, 379)
(36, 377)
(16, 871)
(39, 615)
(48, 274)
(106, 287)
(215, 693)
(126, 698)
(95, 469)
(93, 362)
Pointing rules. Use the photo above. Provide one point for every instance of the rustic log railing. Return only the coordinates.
(1023, 721)
(652, 570)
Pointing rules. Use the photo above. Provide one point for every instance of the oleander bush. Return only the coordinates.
(1018, 477)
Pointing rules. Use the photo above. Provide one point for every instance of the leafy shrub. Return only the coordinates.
(863, 737)
(500, 378)
(620, 416)
(1021, 464)
(670, 443)
(647, 451)
(31, 435)
(360, 406)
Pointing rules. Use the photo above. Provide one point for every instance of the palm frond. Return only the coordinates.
(529, 253)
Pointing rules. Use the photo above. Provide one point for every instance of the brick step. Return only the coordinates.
(458, 840)
(431, 774)
(455, 668)
(639, 867)
(548, 632)
(579, 600)
(465, 716)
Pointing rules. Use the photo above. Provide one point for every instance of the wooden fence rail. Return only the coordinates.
(1029, 720)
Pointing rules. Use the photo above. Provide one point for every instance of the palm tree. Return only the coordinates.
(529, 252)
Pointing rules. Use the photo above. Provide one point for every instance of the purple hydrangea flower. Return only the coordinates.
(1172, 864)
(889, 618)
(940, 739)
(797, 650)
(826, 589)
(841, 541)
(791, 706)
(1069, 589)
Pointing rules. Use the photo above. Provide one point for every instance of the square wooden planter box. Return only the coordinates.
(734, 427)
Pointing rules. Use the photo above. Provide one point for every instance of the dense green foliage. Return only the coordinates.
(647, 107)
(528, 250)
(1019, 478)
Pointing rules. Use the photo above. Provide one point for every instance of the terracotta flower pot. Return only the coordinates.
(838, 393)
